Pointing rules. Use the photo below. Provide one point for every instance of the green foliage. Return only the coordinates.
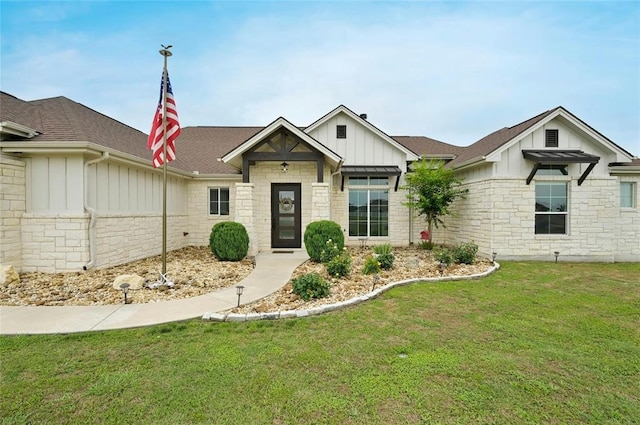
(465, 253)
(330, 251)
(371, 265)
(443, 255)
(431, 189)
(340, 265)
(426, 245)
(310, 285)
(229, 241)
(385, 256)
(316, 236)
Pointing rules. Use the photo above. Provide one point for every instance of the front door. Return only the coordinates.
(285, 215)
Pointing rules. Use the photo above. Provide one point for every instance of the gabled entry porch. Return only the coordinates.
(284, 185)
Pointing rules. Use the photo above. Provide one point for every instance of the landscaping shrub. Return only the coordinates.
(443, 255)
(229, 241)
(385, 256)
(339, 266)
(310, 285)
(330, 251)
(371, 266)
(465, 253)
(318, 233)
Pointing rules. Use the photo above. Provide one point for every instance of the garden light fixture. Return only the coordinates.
(125, 290)
(493, 257)
(442, 265)
(239, 290)
(376, 279)
(556, 253)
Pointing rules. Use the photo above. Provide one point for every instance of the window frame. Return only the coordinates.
(341, 131)
(374, 219)
(219, 202)
(550, 213)
(632, 198)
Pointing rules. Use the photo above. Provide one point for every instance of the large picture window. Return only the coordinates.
(219, 201)
(368, 207)
(551, 208)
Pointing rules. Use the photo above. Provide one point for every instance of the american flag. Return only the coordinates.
(156, 135)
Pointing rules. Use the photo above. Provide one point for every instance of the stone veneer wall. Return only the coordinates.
(121, 238)
(54, 243)
(200, 221)
(12, 207)
(59, 243)
(499, 216)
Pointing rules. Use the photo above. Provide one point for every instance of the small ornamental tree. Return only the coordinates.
(431, 189)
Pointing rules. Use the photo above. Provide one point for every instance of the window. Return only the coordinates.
(551, 208)
(551, 138)
(552, 170)
(627, 192)
(219, 201)
(341, 131)
(368, 207)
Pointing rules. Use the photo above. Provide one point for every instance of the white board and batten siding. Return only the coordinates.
(361, 146)
(511, 163)
(56, 185)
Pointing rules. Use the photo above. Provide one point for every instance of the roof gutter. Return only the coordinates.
(91, 211)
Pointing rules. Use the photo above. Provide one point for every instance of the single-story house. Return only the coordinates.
(79, 190)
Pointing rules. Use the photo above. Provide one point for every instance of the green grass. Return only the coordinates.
(533, 343)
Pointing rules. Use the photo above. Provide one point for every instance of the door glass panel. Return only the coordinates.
(287, 221)
(287, 233)
(286, 203)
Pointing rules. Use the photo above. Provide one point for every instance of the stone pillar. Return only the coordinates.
(12, 206)
(245, 214)
(320, 202)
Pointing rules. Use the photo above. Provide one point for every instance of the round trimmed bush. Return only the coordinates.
(318, 233)
(229, 241)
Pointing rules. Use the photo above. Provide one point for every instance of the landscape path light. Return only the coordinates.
(493, 257)
(125, 290)
(376, 279)
(239, 290)
(556, 253)
(442, 266)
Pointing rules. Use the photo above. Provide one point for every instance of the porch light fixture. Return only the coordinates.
(284, 167)
(556, 253)
(125, 290)
(443, 266)
(239, 290)
(493, 257)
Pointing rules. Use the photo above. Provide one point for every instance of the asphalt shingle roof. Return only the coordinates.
(60, 119)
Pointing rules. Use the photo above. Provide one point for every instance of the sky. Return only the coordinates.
(454, 71)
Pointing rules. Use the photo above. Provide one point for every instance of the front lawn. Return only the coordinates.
(532, 343)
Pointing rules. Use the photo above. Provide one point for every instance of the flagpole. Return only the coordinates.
(166, 53)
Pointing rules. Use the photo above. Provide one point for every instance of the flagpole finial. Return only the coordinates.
(165, 50)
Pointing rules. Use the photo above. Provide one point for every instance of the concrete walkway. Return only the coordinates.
(271, 273)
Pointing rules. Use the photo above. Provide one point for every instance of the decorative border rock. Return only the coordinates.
(289, 314)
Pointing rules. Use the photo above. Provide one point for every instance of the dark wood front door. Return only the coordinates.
(285, 215)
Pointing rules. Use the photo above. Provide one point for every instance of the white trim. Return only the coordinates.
(234, 157)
